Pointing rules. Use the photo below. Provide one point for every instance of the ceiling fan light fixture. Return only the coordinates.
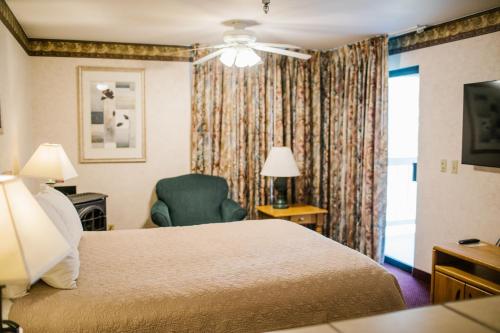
(228, 56)
(240, 45)
(247, 57)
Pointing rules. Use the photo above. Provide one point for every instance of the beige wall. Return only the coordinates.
(451, 206)
(130, 186)
(15, 142)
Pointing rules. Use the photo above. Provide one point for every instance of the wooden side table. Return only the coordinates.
(301, 214)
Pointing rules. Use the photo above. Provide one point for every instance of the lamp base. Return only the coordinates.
(7, 326)
(280, 199)
(280, 205)
(51, 182)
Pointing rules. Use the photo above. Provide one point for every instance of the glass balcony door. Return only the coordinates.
(402, 165)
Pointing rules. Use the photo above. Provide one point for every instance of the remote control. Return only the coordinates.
(468, 241)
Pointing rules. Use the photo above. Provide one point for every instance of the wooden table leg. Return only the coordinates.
(320, 220)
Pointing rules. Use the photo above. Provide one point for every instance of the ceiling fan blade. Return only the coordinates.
(281, 46)
(208, 57)
(220, 46)
(287, 53)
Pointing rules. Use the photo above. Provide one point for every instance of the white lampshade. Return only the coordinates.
(30, 244)
(280, 163)
(246, 57)
(50, 162)
(240, 56)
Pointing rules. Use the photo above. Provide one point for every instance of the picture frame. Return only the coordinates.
(111, 114)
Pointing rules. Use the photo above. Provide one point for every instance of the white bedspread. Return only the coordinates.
(249, 276)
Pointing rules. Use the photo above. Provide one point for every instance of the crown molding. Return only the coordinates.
(90, 49)
(466, 27)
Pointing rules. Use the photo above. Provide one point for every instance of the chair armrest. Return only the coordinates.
(160, 214)
(232, 211)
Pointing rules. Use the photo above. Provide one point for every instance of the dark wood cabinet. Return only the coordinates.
(91, 208)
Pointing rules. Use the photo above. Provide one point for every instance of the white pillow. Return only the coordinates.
(64, 274)
(66, 211)
(45, 202)
(64, 216)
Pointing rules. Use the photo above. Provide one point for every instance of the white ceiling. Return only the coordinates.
(307, 23)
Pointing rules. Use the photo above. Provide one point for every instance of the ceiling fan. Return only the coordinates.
(240, 45)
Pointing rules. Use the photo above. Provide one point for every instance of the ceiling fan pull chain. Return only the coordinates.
(265, 5)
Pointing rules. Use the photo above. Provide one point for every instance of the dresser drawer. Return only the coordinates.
(304, 219)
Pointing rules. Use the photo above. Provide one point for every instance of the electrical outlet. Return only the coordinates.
(444, 165)
(454, 166)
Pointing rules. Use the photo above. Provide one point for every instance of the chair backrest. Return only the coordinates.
(193, 199)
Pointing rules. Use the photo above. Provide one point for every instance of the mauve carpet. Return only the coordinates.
(415, 292)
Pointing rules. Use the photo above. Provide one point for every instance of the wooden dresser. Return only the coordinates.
(464, 272)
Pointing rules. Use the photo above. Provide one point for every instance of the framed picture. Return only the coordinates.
(111, 115)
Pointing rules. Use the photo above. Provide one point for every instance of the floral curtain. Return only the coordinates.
(332, 112)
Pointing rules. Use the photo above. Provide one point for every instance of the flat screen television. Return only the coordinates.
(481, 124)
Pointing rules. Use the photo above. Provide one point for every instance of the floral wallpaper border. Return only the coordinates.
(87, 49)
(470, 26)
(90, 49)
(10, 21)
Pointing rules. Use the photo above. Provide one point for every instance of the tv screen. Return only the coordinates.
(481, 125)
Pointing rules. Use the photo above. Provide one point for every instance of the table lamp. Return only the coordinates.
(30, 243)
(50, 162)
(280, 164)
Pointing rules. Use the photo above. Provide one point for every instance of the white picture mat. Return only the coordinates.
(89, 153)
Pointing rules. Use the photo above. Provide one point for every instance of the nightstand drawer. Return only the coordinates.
(303, 219)
(300, 214)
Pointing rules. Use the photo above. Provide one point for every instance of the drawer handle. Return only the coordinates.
(301, 219)
(457, 296)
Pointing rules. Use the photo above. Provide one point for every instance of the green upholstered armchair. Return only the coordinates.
(194, 199)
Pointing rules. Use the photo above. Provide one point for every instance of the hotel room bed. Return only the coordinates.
(250, 276)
